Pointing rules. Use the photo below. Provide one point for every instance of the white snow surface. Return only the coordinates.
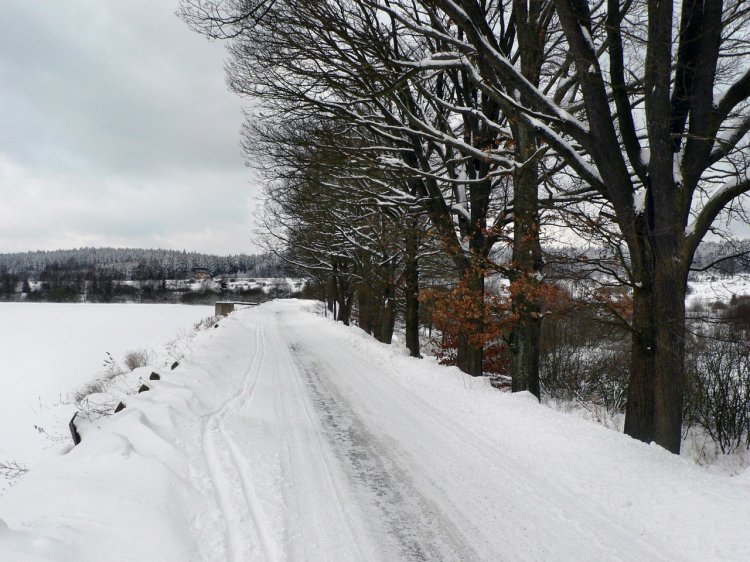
(285, 436)
(707, 288)
(49, 350)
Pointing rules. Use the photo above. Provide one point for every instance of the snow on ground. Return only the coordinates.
(258, 285)
(706, 288)
(49, 350)
(283, 436)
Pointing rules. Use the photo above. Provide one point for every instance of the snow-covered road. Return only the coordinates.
(388, 475)
(287, 437)
(310, 422)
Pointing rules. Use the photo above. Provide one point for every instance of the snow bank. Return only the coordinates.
(49, 350)
(128, 491)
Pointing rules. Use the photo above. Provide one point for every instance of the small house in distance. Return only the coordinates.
(201, 274)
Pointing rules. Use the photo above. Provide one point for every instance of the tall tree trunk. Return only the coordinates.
(669, 361)
(376, 306)
(639, 412)
(527, 265)
(655, 393)
(332, 297)
(411, 296)
(364, 304)
(470, 355)
(346, 295)
(524, 347)
(388, 314)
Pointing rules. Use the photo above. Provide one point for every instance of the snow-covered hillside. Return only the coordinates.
(707, 288)
(286, 437)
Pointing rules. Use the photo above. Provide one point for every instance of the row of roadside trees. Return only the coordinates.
(412, 139)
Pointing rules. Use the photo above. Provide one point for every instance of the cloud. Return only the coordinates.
(117, 126)
(208, 211)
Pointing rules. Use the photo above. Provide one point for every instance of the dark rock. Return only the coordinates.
(73, 430)
(119, 407)
(175, 364)
(501, 382)
(154, 377)
(143, 388)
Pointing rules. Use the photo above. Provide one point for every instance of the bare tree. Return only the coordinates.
(345, 62)
(662, 138)
(333, 221)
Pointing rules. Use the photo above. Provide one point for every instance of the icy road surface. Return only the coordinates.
(287, 437)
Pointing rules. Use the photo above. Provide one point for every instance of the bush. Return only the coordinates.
(717, 395)
(738, 312)
(482, 320)
(584, 360)
(62, 294)
(587, 375)
(207, 322)
(312, 290)
(206, 296)
(251, 292)
(137, 358)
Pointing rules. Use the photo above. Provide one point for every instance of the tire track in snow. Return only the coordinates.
(223, 470)
(411, 523)
(239, 460)
(313, 423)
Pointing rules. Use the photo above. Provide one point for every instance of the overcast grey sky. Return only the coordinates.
(117, 129)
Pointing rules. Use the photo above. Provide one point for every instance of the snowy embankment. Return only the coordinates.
(286, 437)
(48, 351)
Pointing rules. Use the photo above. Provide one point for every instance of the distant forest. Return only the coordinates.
(137, 263)
(118, 274)
(127, 274)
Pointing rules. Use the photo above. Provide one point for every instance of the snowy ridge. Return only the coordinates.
(287, 437)
(51, 351)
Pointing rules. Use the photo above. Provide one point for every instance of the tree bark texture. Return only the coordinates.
(655, 392)
(527, 266)
(388, 314)
(411, 295)
(469, 355)
(364, 307)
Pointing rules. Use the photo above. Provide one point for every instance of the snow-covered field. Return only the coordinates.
(283, 436)
(706, 288)
(47, 351)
